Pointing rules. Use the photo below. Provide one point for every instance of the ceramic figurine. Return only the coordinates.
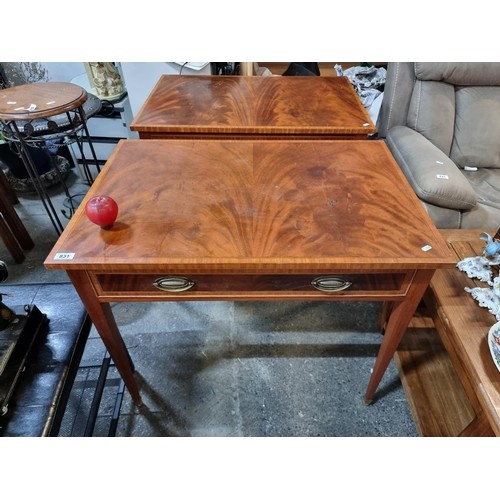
(482, 267)
(492, 247)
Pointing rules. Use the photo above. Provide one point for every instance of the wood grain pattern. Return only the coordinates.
(438, 401)
(252, 106)
(240, 210)
(254, 206)
(140, 287)
(48, 99)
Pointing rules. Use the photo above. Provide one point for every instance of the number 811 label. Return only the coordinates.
(64, 256)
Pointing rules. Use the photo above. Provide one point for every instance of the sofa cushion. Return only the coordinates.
(477, 127)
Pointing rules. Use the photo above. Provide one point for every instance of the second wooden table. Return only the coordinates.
(252, 107)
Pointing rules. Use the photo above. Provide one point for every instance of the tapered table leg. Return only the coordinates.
(102, 317)
(396, 327)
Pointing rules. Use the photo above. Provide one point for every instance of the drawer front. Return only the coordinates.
(243, 287)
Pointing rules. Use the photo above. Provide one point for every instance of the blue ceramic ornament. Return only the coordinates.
(492, 247)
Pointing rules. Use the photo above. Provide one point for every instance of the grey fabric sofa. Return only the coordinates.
(441, 121)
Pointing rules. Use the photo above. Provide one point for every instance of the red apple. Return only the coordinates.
(102, 210)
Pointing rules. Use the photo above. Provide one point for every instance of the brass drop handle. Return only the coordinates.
(173, 284)
(330, 283)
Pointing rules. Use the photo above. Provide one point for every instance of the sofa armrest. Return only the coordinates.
(434, 177)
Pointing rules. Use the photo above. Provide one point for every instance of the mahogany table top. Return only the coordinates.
(253, 206)
(252, 105)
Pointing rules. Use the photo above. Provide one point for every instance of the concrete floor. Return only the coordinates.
(229, 368)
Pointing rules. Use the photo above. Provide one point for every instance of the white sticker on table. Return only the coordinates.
(64, 256)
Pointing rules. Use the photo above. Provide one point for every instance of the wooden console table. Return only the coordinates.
(253, 107)
(252, 220)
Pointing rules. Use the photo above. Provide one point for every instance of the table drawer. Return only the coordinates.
(244, 286)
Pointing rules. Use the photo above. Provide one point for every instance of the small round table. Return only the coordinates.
(40, 114)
